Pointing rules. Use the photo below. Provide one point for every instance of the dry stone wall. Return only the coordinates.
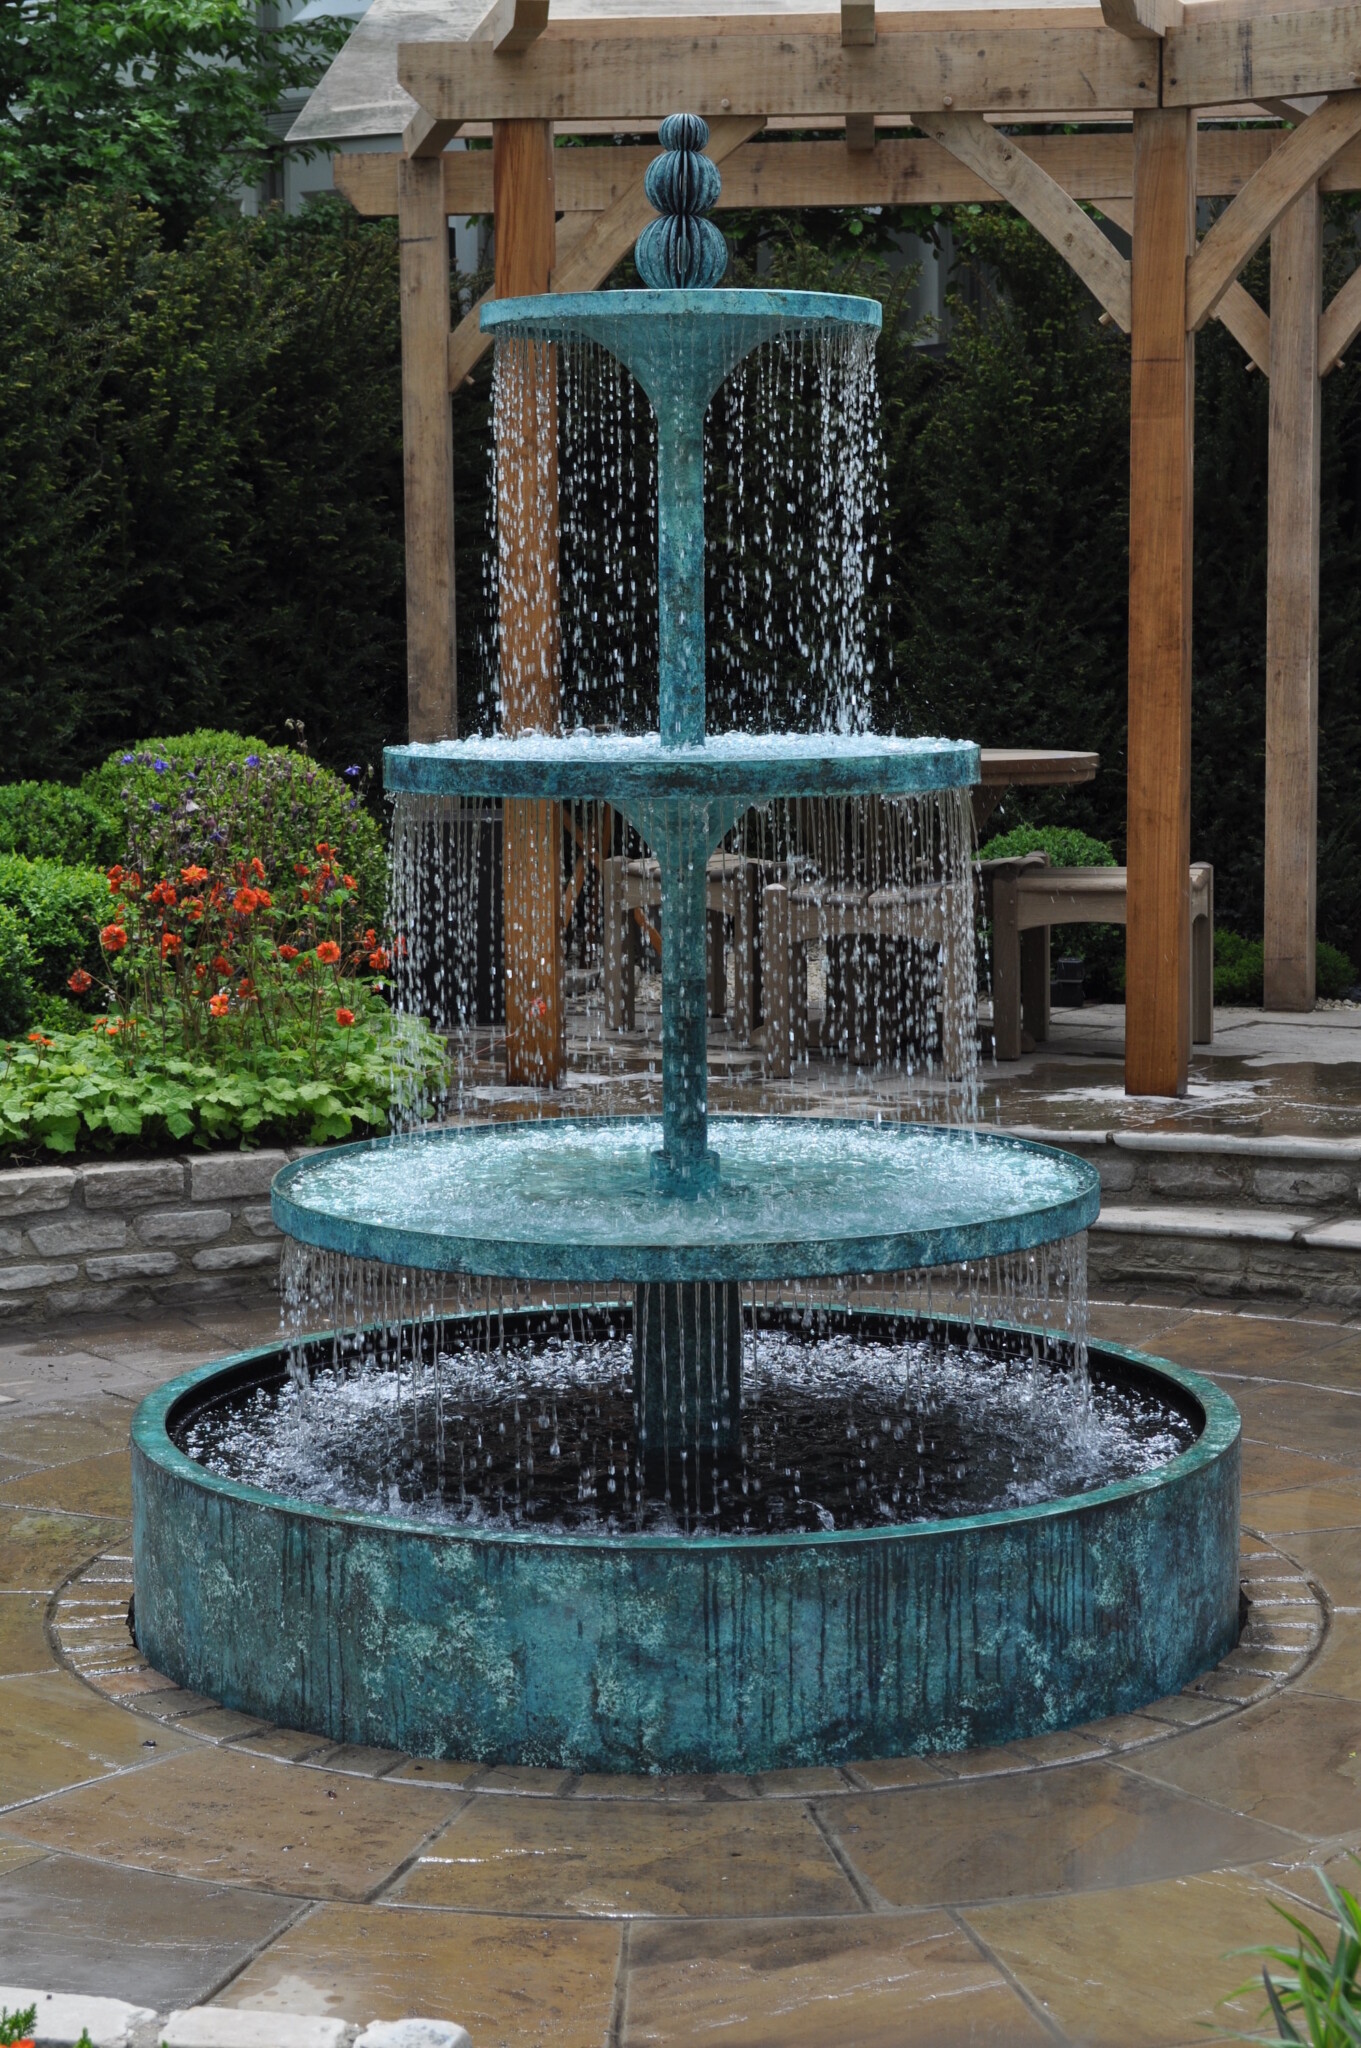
(95, 1236)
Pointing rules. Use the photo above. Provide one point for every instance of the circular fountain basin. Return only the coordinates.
(744, 767)
(576, 1199)
(685, 1653)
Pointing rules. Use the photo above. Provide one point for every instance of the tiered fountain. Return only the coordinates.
(642, 1443)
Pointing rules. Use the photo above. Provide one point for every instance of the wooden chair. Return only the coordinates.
(1027, 896)
(635, 886)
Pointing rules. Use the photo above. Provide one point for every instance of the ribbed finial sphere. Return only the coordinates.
(681, 251)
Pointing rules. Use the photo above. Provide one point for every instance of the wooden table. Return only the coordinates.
(1005, 768)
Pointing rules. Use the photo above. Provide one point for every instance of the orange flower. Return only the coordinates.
(200, 971)
(288, 952)
(325, 848)
(257, 868)
(164, 892)
(79, 982)
(370, 937)
(344, 1018)
(218, 1004)
(171, 943)
(193, 875)
(301, 870)
(193, 909)
(245, 900)
(37, 1038)
(378, 960)
(245, 988)
(328, 952)
(264, 900)
(221, 964)
(116, 874)
(304, 966)
(133, 882)
(113, 938)
(349, 881)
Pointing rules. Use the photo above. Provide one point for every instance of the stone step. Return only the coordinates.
(1316, 1178)
(62, 2018)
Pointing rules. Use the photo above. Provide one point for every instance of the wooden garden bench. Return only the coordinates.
(631, 889)
(1025, 897)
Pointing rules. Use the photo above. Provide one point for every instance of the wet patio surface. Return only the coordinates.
(1086, 1888)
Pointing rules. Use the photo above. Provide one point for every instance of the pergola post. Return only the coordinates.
(528, 624)
(1158, 933)
(1291, 845)
(427, 450)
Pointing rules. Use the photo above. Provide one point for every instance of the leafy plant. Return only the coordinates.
(1239, 969)
(1312, 1986)
(167, 99)
(212, 798)
(1065, 845)
(51, 821)
(16, 2027)
(67, 1092)
(18, 998)
(61, 909)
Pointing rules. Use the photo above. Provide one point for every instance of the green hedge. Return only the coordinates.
(48, 821)
(61, 909)
(1065, 845)
(1239, 967)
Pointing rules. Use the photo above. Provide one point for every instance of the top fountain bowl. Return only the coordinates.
(680, 345)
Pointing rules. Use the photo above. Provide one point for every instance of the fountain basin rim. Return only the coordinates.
(1221, 1426)
(747, 767)
(552, 1254)
(550, 316)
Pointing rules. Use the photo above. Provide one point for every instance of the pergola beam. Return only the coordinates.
(1246, 222)
(1014, 68)
(1015, 176)
(1237, 310)
(1146, 19)
(1097, 168)
(1216, 58)
(512, 25)
(1340, 324)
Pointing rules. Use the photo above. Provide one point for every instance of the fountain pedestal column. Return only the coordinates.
(687, 1373)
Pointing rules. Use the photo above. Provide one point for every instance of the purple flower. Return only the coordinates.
(353, 771)
(156, 807)
(128, 759)
(252, 760)
(160, 766)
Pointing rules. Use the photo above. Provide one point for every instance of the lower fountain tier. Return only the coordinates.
(579, 1199)
(672, 1652)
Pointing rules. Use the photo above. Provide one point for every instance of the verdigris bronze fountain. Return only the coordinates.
(638, 1447)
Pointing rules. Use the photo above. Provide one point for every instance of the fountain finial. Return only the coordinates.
(682, 251)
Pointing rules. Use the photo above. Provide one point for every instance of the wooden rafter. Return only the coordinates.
(857, 23)
(1146, 19)
(1253, 52)
(512, 25)
(425, 136)
(1015, 176)
(1340, 324)
(1014, 68)
(601, 245)
(1237, 310)
(1247, 221)
(798, 174)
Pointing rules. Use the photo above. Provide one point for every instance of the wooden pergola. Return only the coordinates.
(1162, 86)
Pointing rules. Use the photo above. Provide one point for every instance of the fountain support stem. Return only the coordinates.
(687, 1377)
(680, 570)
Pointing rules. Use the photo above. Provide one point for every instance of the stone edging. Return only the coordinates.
(131, 1234)
(1283, 1631)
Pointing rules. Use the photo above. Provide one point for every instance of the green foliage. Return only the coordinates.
(17, 2026)
(200, 482)
(1239, 967)
(216, 797)
(89, 1092)
(1065, 845)
(49, 821)
(18, 998)
(61, 908)
(1321, 1991)
(166, 100)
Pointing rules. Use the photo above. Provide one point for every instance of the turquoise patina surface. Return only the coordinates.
(576, 1199)
(672, 1653)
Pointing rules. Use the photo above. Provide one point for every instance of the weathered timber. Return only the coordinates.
(797, 174)
(1340, 324)
(427, 451)
(1014, 175)
(528, 624)
(1012, 68)
(512, 25)
(1162, 386)
(1292, 574)
(1237, 310)
(1216, 58)
(1142, 18)
(1247, 221)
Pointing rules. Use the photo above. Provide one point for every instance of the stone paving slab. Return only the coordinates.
(1080, 1888)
